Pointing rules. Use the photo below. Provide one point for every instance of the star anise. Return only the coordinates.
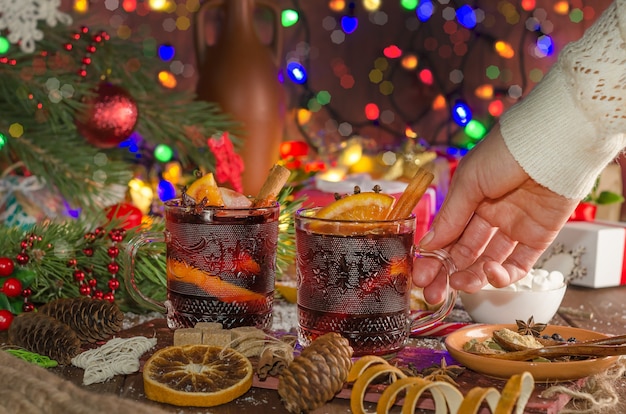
(443, 372)
(530, 327)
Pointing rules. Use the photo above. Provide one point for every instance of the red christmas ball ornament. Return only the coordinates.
(6, 317)
(12, 287)
(110, 116)
(6, 266)
(130, 214)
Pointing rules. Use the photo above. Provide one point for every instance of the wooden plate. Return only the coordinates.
(541, 371)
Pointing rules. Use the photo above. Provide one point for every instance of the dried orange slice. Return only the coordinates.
(206, 187)
(366, 206)
(288, 290)
(196, 375)
(213, 285)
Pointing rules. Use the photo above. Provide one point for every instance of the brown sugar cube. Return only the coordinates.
(221, 338)
(209, 326)
(187, 336)
(248, 340)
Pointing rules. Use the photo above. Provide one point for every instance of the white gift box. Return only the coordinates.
(589, 254)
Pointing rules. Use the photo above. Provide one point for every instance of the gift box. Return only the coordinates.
(323, 193)
(589, 254)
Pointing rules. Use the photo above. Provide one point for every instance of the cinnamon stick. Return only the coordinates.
(274, 182)
(411, 195)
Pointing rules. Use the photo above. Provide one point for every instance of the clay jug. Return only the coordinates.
(240, 73)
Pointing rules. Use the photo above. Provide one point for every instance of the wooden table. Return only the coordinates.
(607, 306)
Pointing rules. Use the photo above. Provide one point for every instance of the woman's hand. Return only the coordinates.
(495, 222)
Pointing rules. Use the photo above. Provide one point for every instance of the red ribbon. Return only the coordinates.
(584, 212)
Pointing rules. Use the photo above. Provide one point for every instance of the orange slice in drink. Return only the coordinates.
(206, 187)
(213, 285)
(196, 375)
(368, 206)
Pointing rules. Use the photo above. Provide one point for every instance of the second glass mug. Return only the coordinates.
(221, 265)
(354, 278)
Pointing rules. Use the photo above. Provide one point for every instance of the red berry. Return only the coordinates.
(6, 318)
(12, 287)
(6, 266)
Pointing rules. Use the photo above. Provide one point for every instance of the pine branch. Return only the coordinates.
(43, 93)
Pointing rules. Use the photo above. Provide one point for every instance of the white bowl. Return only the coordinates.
(505, 306)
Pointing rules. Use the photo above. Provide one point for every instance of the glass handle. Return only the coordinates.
(420, 322)
(130, 259)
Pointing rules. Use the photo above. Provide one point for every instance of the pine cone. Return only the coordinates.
(316, 375)
(92, 320)
(44, 335)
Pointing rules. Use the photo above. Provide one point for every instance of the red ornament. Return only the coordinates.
(6, 266)
(110, 117)
(6, 318)
(12, 287)
(130, 214)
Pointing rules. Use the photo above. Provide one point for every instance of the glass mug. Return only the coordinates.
(354, 278)
(221, 265)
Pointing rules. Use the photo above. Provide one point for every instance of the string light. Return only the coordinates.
(392, 52)
(296, 72)
(409, 4)
(425, 10)
(484, 91)
(289, 17)
(349, 24)
(466, 16)
(81, 6)
(372, 112)
(561, 7)
(163, 153)
(528, 5)
(496, 108)
(461, 113)
(409, 62)
(158, 5)
(336, 5)
(475, 129)
(426, 76)
(504, 49)
(371, 5)
(4, 45)
(439, 102)
(166, 52)
(166, 190)
(545, 45)
(167, 79)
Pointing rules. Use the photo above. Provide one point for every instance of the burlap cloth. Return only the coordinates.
(26, 388)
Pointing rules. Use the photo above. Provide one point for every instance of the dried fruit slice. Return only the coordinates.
(366, 206)
(196, 375)
(288, 290)
(213, 285)
(206, 187)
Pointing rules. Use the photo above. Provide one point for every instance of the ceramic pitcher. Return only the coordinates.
(240, 73)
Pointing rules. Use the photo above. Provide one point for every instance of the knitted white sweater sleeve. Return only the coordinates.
(573, 123)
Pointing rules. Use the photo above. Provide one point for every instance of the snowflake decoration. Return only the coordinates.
(21, 17)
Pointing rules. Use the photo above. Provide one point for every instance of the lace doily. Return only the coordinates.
(119, 356)
(21, 18)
